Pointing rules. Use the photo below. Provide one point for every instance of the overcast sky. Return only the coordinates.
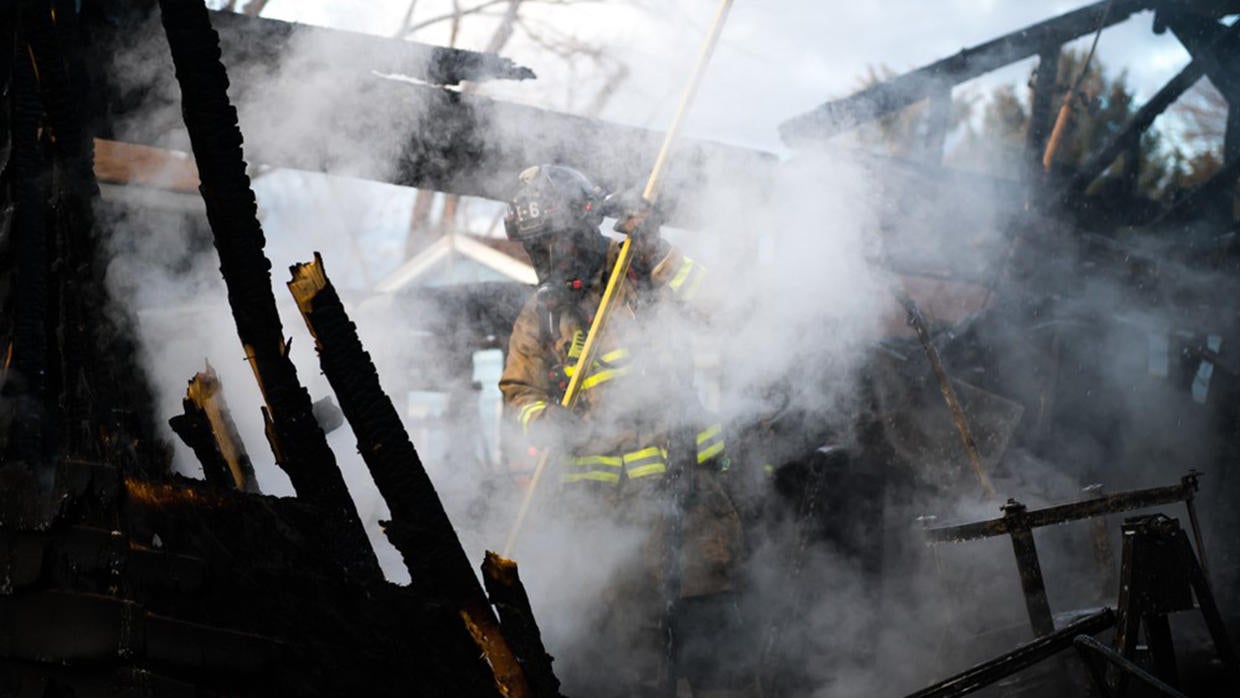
(776, 59)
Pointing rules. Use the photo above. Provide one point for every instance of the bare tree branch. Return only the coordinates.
(504, 32)
(457, 12)
(254, 8)
(455, 31)
(406, 20)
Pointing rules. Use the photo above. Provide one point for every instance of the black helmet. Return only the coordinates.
(552, 199)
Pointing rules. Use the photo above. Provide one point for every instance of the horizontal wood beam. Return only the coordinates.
(258, 43)
(899, 92)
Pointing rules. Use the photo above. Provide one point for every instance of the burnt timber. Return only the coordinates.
(464, 153)
(116, 576)
(830, 118)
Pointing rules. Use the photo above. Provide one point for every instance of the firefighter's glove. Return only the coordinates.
(649, 248)
(638, 219)
(560, 428)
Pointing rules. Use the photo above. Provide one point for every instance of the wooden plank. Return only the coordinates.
(130, 163)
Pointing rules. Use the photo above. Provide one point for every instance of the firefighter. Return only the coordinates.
(612, 447)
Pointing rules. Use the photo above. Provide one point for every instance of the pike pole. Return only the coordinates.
(621, 268)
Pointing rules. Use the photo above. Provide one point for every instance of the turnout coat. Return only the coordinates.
(638, 388)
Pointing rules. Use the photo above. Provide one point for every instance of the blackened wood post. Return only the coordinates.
(1043, 103)
(26, 357)
(1031, 581)
(516, 617)
(420, 528)
(299, 444)
(938, 123)
(1104, 553)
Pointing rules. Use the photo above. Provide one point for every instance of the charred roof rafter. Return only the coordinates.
(839, 115)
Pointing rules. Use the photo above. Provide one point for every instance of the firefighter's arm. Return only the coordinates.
(655, 258)
(524, 382)
(678, 273)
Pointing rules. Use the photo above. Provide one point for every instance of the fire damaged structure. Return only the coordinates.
(120, 577)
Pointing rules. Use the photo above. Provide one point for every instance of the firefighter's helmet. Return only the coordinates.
(552, 199)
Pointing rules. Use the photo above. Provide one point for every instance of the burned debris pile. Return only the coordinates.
(122, 578)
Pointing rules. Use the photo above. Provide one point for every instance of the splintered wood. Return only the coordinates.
(420, 529)
(208, 429)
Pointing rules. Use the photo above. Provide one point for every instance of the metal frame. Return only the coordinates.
(1019, 522)
(1022, 657)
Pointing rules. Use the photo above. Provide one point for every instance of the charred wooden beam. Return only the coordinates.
(921, 328)
(1088, 648)
(1213, 44)
(260, 42)
(1022, 657)
(248, 40)
(938, 122)
(207, 427)
(1218, 185)
(27, 359)
(1130, 135)
(86, 374)
(516, 617)
(899, 92)
(1030, 569)
(474, 146)
(299, 444)
(105, 628)
(1044, 91)
(420, 528)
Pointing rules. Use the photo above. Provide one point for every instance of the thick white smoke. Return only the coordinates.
(796, 297)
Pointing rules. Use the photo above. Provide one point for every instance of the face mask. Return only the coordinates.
(567, 261)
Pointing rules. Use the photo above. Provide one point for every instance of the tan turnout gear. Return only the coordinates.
(622, 406)
(613, 469)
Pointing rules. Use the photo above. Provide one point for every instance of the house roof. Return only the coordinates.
(497, 255)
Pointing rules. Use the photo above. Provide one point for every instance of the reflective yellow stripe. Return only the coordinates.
(594, 468)
(612, 359)
(608, 461)
(644, 453)
(711, 452)
(705, 435)
(646, 462)
(681, 274)
(647, 470)
(603, 377)
(692, 288)
(578, 345)
(595, 476)
(528, 412)
(709, 443)
(687, 279)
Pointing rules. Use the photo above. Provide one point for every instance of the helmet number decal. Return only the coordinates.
(525, 213)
